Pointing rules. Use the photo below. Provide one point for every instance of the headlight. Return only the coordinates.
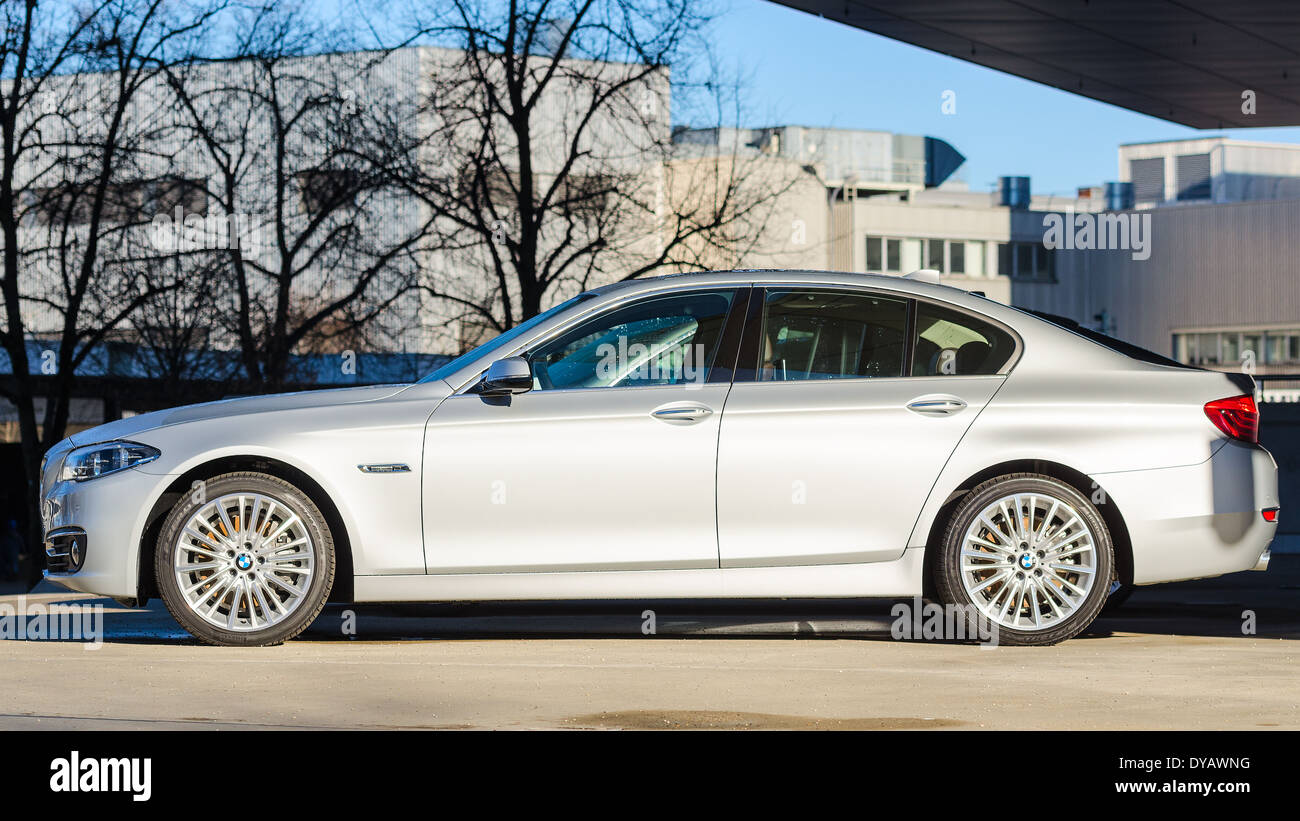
(94, 461)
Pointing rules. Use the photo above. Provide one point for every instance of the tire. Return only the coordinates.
(261, 588)
(1019, 578)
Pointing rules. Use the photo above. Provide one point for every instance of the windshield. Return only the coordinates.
(503, 340)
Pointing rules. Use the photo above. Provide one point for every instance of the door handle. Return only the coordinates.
(682, 414)
(936, 405)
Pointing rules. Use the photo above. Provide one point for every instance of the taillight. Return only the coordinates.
(1236, 416)
(1269, 514)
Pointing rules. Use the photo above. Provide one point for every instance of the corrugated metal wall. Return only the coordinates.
(1210, 265)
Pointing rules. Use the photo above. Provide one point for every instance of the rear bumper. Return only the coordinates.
(1200, 520)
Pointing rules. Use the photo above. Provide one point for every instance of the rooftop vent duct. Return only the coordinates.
(1120, 196)
(1013, 192)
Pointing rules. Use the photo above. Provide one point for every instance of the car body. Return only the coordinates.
(821, 458)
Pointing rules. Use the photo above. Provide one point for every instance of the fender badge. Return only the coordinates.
(395, 467)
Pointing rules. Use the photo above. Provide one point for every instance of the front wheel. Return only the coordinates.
(245, 559)
(1029, 556)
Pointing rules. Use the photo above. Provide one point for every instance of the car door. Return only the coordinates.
(827, 452)
(607, 464)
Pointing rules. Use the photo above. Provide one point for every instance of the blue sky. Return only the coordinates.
(803, 70)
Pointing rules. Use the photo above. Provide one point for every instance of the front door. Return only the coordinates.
(607, 464)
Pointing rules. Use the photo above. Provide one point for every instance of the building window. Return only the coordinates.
(1024, 260)
(1193, 176)
(934, 255)
(324, 190)
(875, 259)
(957, 257)
(124, 203)
(1230, 348)
(945, 256)
(1148, 177)
(884, 254)
(893, 255)
(1027, 261)
(1044, 263)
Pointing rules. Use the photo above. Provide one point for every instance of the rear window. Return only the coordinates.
(1117, 345)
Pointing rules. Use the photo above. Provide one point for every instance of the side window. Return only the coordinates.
(666, 340)
(953, 343)
(830, 335)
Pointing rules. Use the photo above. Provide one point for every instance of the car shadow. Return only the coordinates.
(1243, 605)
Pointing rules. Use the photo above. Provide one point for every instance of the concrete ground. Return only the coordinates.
(1174, 657)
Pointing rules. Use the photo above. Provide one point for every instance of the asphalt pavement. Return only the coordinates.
(1213, 654)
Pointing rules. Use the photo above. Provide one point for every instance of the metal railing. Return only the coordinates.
(1277, 387)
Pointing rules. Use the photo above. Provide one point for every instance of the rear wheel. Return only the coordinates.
(1030, 556)
(248, 560)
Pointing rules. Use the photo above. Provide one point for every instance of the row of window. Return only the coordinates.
(1027, 261)
(134, 202)
(804, 334)
(1020, 260)
(124, 203)
(1280, 347)
(901, 255)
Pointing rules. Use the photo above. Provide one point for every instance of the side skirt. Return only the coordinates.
(899, 578)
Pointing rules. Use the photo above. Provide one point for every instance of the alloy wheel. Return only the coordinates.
(1028, 561)
(244, 561)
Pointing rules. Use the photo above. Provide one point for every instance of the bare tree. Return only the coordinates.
(300, 146)
(548, 156)
(174, 340)
(70, 136)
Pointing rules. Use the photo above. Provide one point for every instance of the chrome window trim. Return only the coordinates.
(1007, 367)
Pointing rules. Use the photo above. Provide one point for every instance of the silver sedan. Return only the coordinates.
(742, 434)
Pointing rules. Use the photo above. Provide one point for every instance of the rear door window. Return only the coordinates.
(952, 343)
(812, 334)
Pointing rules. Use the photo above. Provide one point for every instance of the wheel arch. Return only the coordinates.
(147, 585)
(1110, 512)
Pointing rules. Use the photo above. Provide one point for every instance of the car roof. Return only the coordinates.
(767, 276)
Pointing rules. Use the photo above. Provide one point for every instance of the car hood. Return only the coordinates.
(135, 425)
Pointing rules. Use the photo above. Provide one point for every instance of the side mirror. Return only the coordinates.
(506, 377)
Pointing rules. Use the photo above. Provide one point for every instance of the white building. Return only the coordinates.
(1209, 169)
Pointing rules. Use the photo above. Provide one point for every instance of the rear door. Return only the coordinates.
(846, 406)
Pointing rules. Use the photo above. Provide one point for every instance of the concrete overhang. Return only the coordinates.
(1188, 61)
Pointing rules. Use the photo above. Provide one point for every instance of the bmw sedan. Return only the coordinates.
(754, 434)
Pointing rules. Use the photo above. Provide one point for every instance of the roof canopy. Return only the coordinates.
(1187, 61)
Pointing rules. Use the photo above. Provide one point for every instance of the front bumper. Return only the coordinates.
(1199, 520)
(107, 515)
